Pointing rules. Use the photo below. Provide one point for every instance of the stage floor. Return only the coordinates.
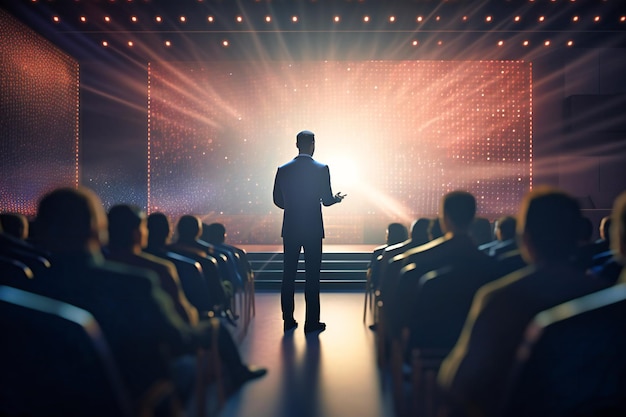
(332, 248)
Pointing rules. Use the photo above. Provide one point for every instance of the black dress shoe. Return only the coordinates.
(247, 373)
(289, 325)
(315, 327)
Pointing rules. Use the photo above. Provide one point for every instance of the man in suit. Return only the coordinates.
(299, 187)
(474, 374)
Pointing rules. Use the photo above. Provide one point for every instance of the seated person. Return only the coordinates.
(215, 236)
(505, 235)
(396, 233)
(128, 235)
(474, 373)
(148, 339)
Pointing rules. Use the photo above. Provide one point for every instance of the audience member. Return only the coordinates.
(149, 340)
(434, 229)
(215, 234)
(505, 236)
(456, 249)
(128, 235)
(15, 225)
(475, 371)
(480, 231)
(396, 234)
(193, 281)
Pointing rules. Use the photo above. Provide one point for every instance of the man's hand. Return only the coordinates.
(339, 197)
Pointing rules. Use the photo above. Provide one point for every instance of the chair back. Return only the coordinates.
(572, 360)
(55, 360)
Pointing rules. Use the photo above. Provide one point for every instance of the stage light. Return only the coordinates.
(268, 19)
(542, 18)
(464, 18)
(105, 43)
(107, 19)
(415, 43)
(56, 19)
(133, 19)
(575, 19)
(439, 43)
(622, 19)
(168, 43)
(488, 19)
(500, 43)
(83, 19)
(183, 19)
(366, 19)
(225, 43)
(210, 19)
(420, 18)
(546, 43)
(294, 19)
(517, 18)
(130, 43)
(239, 19)
(570, 43)
(158, 19)
(525, 43)
(596, 19)
(392, 19)
(337, 19)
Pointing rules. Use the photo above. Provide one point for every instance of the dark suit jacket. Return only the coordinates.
(476, 370)
(299, 187)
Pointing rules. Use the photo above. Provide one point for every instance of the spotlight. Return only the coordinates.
(622, 19)
(439, 43)
(525, 43)
(133, 19)
(336, 19)
(168, 43)
(56, 19)
(500, 43)
(420, 18)
(158, 19)
(415, 43)
(596, 19)
(105, 43)
(130, 43)
(183, 19)
(438, 18)
(488, 19)
(239, 19)
(570, 43)
(294, 19)
(210, 19)
(107, 19)
(546, 43)
(542, 18)
(392, 19)
(268, 19)
(366, 19)
(517, 18)
(464, 18)
(225, 43)
(83, 19)
(575, 19)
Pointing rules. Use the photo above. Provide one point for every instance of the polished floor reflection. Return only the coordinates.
(329, 374)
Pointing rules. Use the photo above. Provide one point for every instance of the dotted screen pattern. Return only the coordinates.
(39, 99)
(397, 135)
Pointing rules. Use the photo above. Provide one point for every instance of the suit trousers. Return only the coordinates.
(312, 264)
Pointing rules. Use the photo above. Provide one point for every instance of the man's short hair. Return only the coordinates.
(507, 226)
(215, 233)
(189, 228)
(124, 219)
(460, 208)
(158, 227)
(305, 139)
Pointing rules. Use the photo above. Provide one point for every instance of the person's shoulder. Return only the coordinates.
(125, 275)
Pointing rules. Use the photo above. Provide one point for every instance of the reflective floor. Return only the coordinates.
(330, 374)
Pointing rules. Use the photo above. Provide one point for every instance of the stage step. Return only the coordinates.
(339, 269)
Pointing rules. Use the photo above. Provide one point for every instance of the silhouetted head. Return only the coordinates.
(214, 233)
(127, 228)
(158, 229)
(14, 224)
(505, 228)
(458, 211)
(434, 229)
(618, 227)
(305, 141)
(480, 230)
(419, 231)
(189, 228)
(396, 233)
(71, 220)
(548, 225)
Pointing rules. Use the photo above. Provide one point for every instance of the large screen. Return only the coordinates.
(397, 135)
